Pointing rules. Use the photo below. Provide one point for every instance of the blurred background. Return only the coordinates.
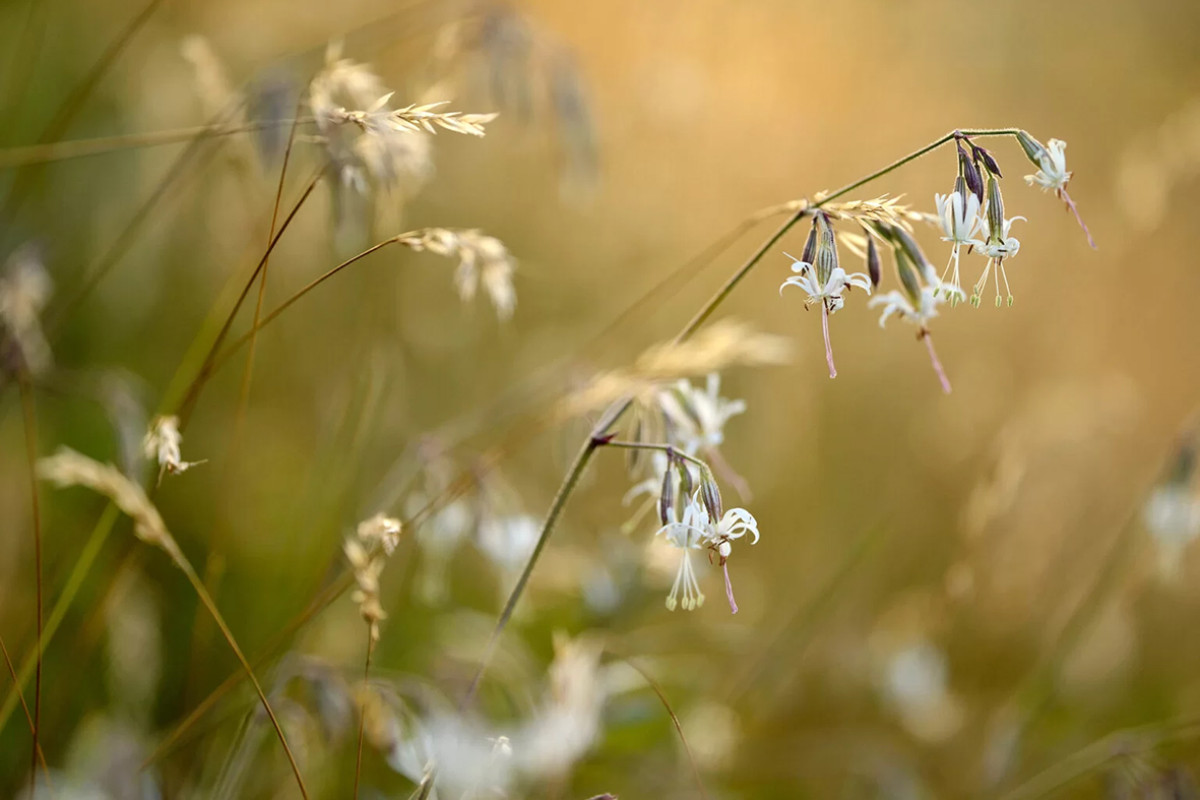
(984, 594)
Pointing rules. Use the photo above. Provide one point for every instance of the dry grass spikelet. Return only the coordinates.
(367, 551)
(481, 258)
(723, 344)
(881, 209)
(69, 468)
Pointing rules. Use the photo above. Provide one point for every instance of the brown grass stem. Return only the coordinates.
(662, 698)
(37, 747)
(362, 716)
(29, 416)
(206, 367)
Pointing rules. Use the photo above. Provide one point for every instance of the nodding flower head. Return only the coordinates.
(697, 530)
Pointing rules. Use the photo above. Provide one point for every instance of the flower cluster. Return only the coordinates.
(691, 513)
(971, 217)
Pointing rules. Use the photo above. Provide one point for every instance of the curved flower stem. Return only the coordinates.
(828, 344)
(937, 364)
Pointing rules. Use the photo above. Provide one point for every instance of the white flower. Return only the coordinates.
(697, 531)
(895, 302)
(831, 293)
(687, 537)
(698, 416)
(997, 245)
(508, 541)
(1053, 173)
(959, 218)
(959, 215)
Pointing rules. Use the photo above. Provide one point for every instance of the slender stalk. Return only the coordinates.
(80, 148)
(913, 156)
(206, 367)
(220, 359)
(362, 716)
(197, 584)
(38, 754)
(937, 364)
(30, 424)
(828, 344)
(333, 591)
(662, 698)
(74, 101)
(87, 557)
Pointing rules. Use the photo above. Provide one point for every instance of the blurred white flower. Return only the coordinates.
(913, 680)
(508, 541)
(25, 288)
(895, 302)
(697, 416)
(1172, 516)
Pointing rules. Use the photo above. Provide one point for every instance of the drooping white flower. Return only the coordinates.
(686, 537)
(697, 531)
(1053, 172)
(959, 216)
(829, 293)
(998, 244)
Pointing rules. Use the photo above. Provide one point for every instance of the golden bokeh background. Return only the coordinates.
(954, 596)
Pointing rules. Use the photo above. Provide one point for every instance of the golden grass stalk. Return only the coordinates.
(69, 468)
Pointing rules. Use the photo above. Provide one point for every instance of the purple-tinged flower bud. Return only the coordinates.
(970, 173)
(989, 162)
(710, 495)
(1034, 150)
(810, 244)
(873, 267)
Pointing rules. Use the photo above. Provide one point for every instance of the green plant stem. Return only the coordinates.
(80, 148)
(30, 424)
(596, 437)
(87, 557)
